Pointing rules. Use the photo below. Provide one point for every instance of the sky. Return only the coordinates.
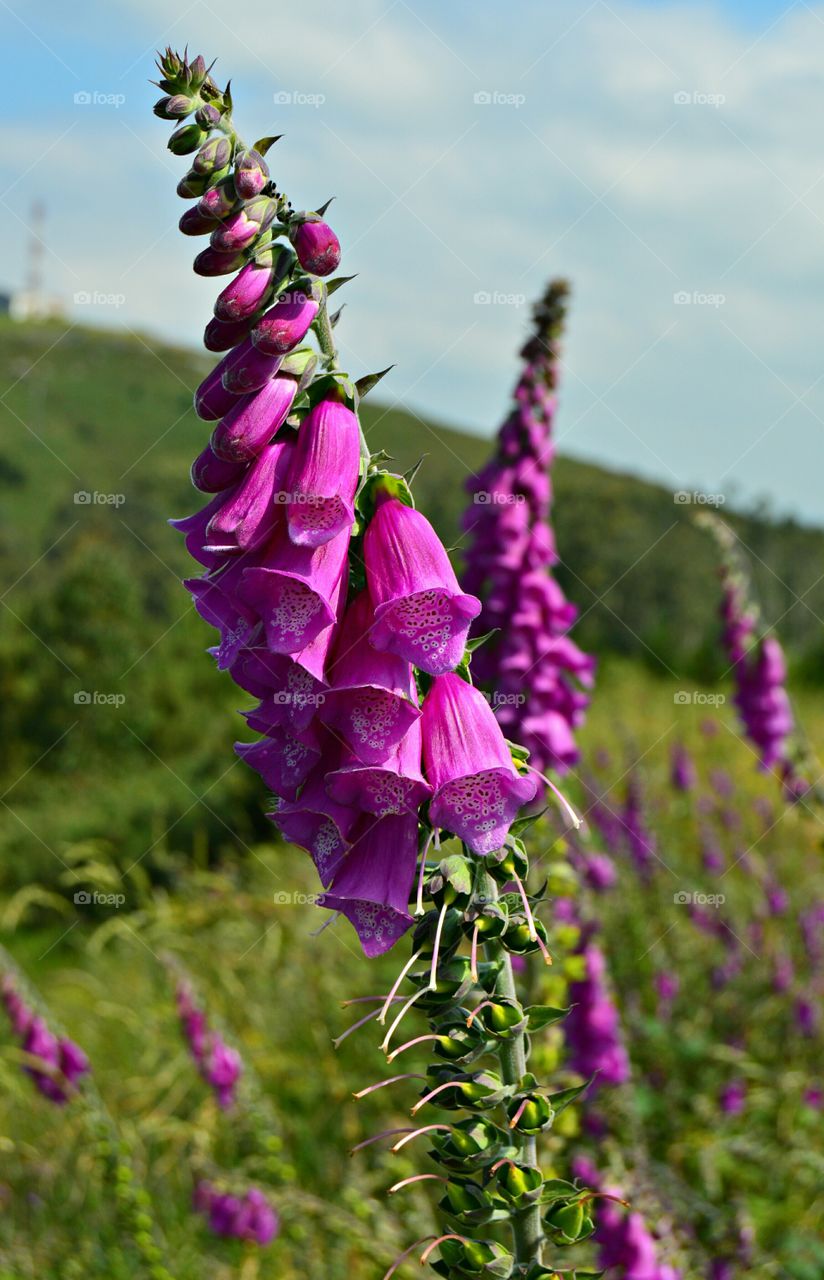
(666, 159)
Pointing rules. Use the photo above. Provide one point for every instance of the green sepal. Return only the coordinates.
(508, 862)
(382, 482)
(473, 1143)
(468, 1204)
(426, 930)
(555, 1189)
(452, 881)
(517, 751)
(518, 1185)
(490, 918)
(502, 1018)
(468, 1259)
(536, 1115)
(569, 1222)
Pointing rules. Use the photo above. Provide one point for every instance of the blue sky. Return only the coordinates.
(666, 158)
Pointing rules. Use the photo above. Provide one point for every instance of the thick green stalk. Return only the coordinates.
(526, 1224)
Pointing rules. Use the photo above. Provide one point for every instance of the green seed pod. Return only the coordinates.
(531, 1114)
(518, 1184)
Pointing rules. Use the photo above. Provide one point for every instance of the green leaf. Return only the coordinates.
(370, 380)
(562, 1099)
(543, 1015)
(263, 144)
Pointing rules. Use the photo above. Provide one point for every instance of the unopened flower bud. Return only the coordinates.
(212, 263)
(247, 369)
(242, 228)
(212, 474)
(317, 247)
(214, 154)
(186, 139)
(246, 294)
(285, 324)
(197, 71)
(222, 335)
(251, 174)
(207, 116)
(192, 184)
(219, 200)
(195, 223)
(175, 107)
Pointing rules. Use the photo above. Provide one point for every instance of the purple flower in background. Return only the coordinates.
(531, 667)
(237, 1217)
(219, 1065)
(733, 1097)
(593, 1027)
(682, 769)
(637, 836)
(667, 985)
(64, 1062)
(806, 1016)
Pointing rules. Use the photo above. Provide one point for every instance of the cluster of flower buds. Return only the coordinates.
(60, 1062)
(530, 666)
(758, 669)
(245, 1216)
(338, 609)
(219, 1065)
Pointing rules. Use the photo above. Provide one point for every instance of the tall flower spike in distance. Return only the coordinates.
(530, 667)
(757, 664)
(338, 608)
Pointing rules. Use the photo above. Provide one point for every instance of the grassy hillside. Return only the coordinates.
(98, 413)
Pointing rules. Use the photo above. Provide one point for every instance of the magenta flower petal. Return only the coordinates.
(285, 324)
(317, 823)
(324, 475)
(248, 516)
(394, 786)
(372, 700)
(217, 603)
(194, 529)
(420, 611)
(296, 594)
(374, 881)
(284, 759)
(253, 420)
(478, 791)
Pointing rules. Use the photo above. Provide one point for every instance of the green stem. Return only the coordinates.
(526, 1225)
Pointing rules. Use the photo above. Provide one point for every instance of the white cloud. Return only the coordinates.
(696, 197)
